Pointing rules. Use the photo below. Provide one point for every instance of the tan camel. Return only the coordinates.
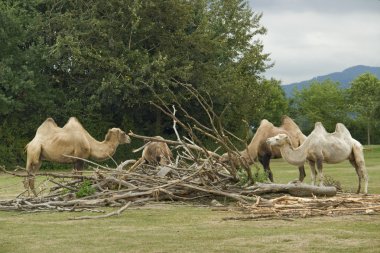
(61, 145)
(258, 148)
(321, 146)
(155, 152)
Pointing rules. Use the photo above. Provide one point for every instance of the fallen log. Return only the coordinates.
(288, 207)
(297, 190)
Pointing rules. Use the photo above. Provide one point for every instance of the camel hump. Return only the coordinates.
(46, 127)
(340, 128)
(264, 123)
(286, 120)
(49, 122)
(319, 126)
(73, 122)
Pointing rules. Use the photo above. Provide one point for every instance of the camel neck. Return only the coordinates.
(102, 150)
(294, 156)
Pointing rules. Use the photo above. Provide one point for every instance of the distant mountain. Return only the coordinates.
(344, 78)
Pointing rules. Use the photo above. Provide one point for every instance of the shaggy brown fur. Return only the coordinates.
(55, 144)
(155, 152)
(259, 149)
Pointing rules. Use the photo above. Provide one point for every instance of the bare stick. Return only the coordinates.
(118, 212)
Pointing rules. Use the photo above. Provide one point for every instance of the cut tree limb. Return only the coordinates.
(298, 190)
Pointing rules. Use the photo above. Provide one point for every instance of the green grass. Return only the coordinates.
(187, 228)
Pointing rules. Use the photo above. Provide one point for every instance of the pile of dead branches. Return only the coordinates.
(196, 174)
(115, 187)
(197, 184)
(289, 207)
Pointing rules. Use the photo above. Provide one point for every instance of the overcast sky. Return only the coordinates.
(309, 38)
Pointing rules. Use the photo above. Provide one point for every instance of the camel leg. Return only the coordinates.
(359, 165)
(302, 173)
(313, 172)
(29, 181)
(362, 174)
(320, 172)
(78, 167)
(353, 163)
(264, 160)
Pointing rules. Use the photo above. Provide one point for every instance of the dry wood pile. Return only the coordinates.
(196, 183)
(116, 188)
(122, 189)
(289, 207)
(196, 175)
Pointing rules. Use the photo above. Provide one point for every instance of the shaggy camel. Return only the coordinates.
(56, 144)
(321, 146)
(155, 152)
(258, 148)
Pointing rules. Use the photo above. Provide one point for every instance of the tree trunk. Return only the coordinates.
(369, 132)
(297, 190)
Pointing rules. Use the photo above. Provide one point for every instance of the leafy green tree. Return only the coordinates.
(98, 60)
(321, 101)
(24, 95)
(365, 101)
(104, 53)
(273, 101)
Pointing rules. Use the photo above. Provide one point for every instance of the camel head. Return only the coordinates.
(278, 140)
(119, 135)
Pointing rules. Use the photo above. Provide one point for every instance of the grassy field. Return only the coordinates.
(182, 227)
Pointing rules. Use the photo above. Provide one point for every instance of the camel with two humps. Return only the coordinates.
(67, 144)
(259, 149)
(323, 147)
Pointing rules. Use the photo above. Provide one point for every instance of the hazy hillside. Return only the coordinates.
(345, 78)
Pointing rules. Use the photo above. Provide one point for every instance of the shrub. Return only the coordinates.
(86, 189)
(259, 176)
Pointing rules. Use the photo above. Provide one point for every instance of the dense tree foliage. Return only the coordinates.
(357, 107)
(98, 61)
(101, 60)
(365, 100)
(321, 101)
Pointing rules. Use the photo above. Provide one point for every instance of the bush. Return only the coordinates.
(259, 176)
(86, 189)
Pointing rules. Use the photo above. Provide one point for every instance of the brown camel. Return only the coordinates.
(321, 146)
(258, 148)
(61, 145)
(155, 152)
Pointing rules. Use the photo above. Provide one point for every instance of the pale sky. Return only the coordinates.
(309, 38)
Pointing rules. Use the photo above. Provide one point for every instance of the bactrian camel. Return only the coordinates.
(61, 145)
(321, 146)
(154, 152)
(258, 148)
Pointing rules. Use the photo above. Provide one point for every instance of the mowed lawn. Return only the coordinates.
(181, 227)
